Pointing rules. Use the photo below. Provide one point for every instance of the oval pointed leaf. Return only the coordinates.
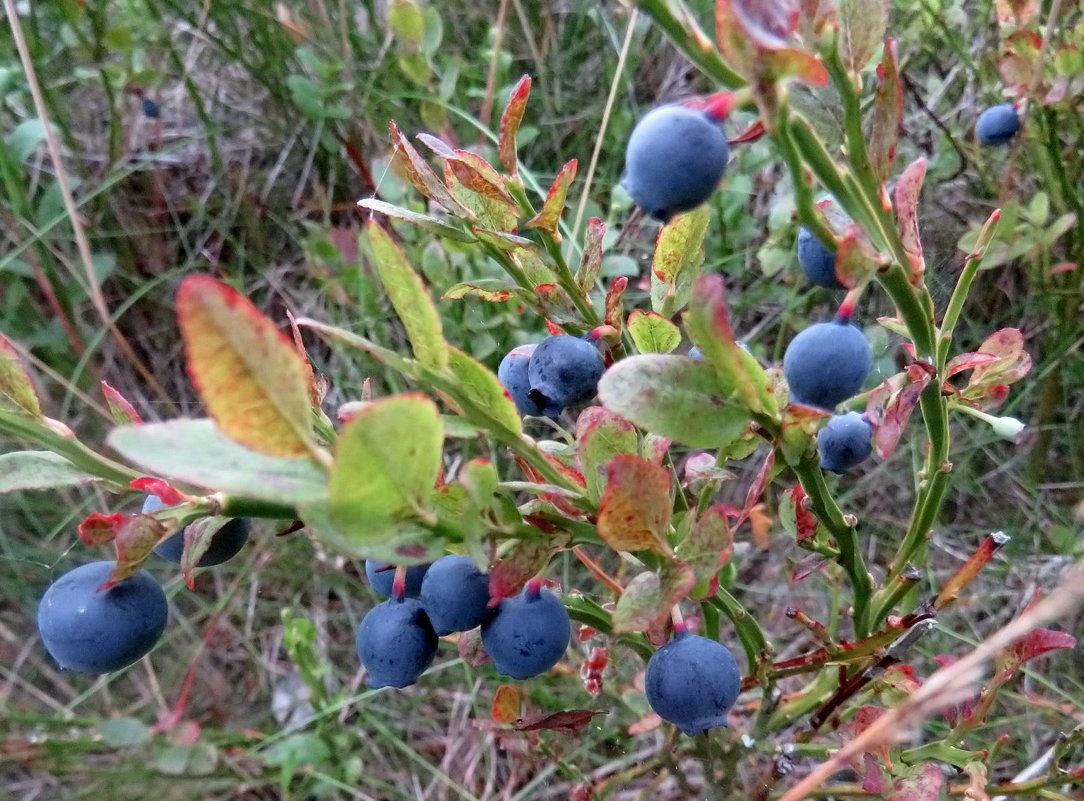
(431, 224)
(635, 510)
(511, 118)
(409, 297)
(36, 470)
(196, 452)
(526, 559)
(600, 436)
(674, 396)
(679, 258)
(421, 175)
(653, 333)
(476, 385)
(16, 390)
(862, 27)
(591, 262)
(120, 407)
(887, 113)
(908, 188)
(648, 598)
(387, 460)
(707, 547)
(248, 373)
(549, 218)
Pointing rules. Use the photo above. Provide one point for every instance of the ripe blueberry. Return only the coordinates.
(696, 353)
(998, 124)
(844, 442)
(817, 260)
(827, 363)
(512, 372)
(455, 594)
(564, 370)
(692, 682)
(396, 642)
(225, 544)
(92, 631)
(528, 634)
(675, 159)
(381, 575)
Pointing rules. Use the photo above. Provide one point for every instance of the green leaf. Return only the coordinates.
(431, 224)
(679, 258)
(600, 436)
(387, 460)
(421, 175)
(511, 118)
(862, 27)
(409, 296)
(648, 598)
(707, 547)
(26, 136)
(406, 20)
(739, 374)
(591, 262)
(16, 391)
(675, 397)
(124, 732)
(653, 333)
(635, 511)
(476, 385)
(35, 470)
(549, 218)
(196, 452)
(493, 290)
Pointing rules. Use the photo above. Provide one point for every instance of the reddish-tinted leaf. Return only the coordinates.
(647, 723)
(16, 389)
(1034, 644)
(246, 370)
(549, 218)
(570, 721)
(600, 436)
(708, 546)
(887, 112)
(557, 305)
(421, 175)
(1012, 364)
(1023, 11)
(166, 492)
(795, 516)
(922, 782)
(478, 175)
(591, 263)
(756, 488)
(862, 27)
(615, 314)
(990, 545)
(678, 260)
(491, 290)
(751, 134)
(649, 597)
(968, 361)
(526, 559)
(98, 529)
(506, 704)
(471, 649)
(790, 62)
(891, 404)
(769, 23)
(122, 411)
(315, 395)
(492, 210)
(734, 43)
(906, 195)
(511, 118)
(634, 513)
(136, 537)
(856, 258)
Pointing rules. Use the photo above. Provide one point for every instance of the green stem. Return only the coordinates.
(749, 631)
(690, 40)
(67, 445)
(963, 288)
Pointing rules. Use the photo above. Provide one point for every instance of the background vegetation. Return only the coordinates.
(235, 138)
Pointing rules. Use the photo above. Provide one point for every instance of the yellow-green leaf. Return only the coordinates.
(679, 258)
(15, 388)
(653, 333)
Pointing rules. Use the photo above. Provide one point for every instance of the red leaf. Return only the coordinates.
(506, 704)
(635, 510)
(549, 218)
(856, 257)
(922, 782)
(906, 195)
(570, 721)
(123, 412)
(1033, 645)
(1012, 362)
(166, 492)
(478, 175)
(614, 308)
(511, 118)
(421, 175)
(751, 134)
(891, 404)
(99, 529)
(708, 545)
(136, 537)
(968, 361)
(756, 489)
(805, 522)
(887, 112)
(526, 559)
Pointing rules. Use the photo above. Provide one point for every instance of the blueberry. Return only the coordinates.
(827, 363)
(150, 108)
(512, 372)
(696, 353)
(528, 634)
(455, 594)
(692, 682)
(845, 441)
(225, 544)
(396, 642)
(92, 631)
(675, 159)
(998, 124)
(381, 575)
(817, 260)
(564, 370)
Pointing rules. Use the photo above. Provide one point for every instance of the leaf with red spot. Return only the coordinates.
(615, 314)
(418, 172)
(511, 118)
(862, 27)
(556, 304)
(470, 647)
(968, 361)
(890, 406)
(649, 597)
(1012, 364)
(166, 492)
(908, 187)
(600, 436)
(136, 537)
(857, 260)
(795, 517)
(678, 260)
(591, 262)
(635, 510)
(707, 547)
(549, 218)
(751, 134)
(1032, 645)
(120, 408)
(525, 560)
(791, 62)
(492, 290)
(756, 488)
(887, 112)
(506, 704)
(16, 389)
(570, 721)
(99, 529)
(922, 782)
(478, 175)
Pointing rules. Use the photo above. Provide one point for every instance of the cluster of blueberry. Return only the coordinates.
(90, 628)
(525, 635)
(546, 378)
